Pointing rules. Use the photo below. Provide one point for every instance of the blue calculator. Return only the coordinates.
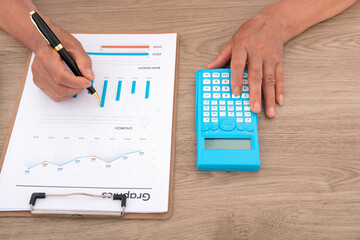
(226, 128)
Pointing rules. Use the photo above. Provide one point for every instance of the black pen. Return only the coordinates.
(50, 37)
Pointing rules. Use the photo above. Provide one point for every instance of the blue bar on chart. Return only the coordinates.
(92, 83)
(133, 87)
(75, 96)
(104, 93)
(118, 91)
(147, 92)
(116, 54)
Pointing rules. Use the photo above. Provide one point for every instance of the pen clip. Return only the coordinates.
(31, 13)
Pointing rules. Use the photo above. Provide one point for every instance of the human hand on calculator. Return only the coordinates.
(259, 44)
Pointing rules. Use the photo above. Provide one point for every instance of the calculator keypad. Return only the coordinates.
(221, 107)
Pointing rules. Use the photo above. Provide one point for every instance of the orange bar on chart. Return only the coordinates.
(107, 46)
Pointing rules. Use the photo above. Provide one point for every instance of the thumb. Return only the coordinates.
(84, 63)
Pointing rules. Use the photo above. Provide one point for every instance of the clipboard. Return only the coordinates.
(96, 214)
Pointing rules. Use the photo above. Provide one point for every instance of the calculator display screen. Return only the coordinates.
(228, 143)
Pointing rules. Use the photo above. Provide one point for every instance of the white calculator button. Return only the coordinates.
(216, 81)
(214, 114)
(206, 114)
(247, 114)
(245, 95)
(238, 102)
(248, 120)
(206, 88)
(231, 114)
(226, 95)
(225, 88)
(246, 108)
(222, 108)
(207, 74)
(216, 74)
(214, 108)
(225, 75)
(222, 114)
(214, 102)
(225, 81)
(214, 120)
(206, 108)
(245, 88)
(206, 95)
(246, 103)
(230, 102)
(230, 108)
(238, 108)
(239, 114)
(246, 81)
(245, 75)
(216, 95)
(239, 120)
(234, 96)
(222, 102)
(206, 102)
(206, 119)
(206, 81)
(216, 88)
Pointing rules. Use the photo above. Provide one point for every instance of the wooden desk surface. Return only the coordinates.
(309, 183)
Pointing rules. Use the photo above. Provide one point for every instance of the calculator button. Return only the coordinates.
(206, 102)
(246, 103)
(206, 88)
(206, 114)
(222, 102)
(245, 88)
(216, 95)
(222, 114)
(225, 81)
(245, 95)
(225, 88)
(239, 120)
(206, 119)
(207, 74)
(230, 108)
(246, 108)
(231, 114)
(248, 120)
(206, 81)
(234, 96)
(206, 95)
(225, 75)
(214, 114)
(249, 129)
(216, 81)
(216, 74)
(245, 75)
(238, 102)
(216, 88)
(214, 120)
(246, 81)
(238, 108)
(240, 128)
(222, 108)
(247, 114)
(227, 125)
(239, 114)
(206, 108)
(214, 108)
(230, 102)
(205, 128)
(214, 102)
(214, 128)
(226, 95)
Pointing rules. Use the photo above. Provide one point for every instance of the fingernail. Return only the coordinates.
(90, 73)
(236, 91)
(281, 99)
(257, 107)
(271, 112)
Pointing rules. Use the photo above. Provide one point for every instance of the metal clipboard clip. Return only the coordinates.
(36, 195)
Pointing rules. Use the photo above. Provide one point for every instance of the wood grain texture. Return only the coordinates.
(309, 183)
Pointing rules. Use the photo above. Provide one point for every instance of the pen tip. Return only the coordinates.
(96, 96)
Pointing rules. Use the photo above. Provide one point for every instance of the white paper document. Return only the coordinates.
(122, 145)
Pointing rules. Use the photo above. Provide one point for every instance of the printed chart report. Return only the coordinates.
(122, 145)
